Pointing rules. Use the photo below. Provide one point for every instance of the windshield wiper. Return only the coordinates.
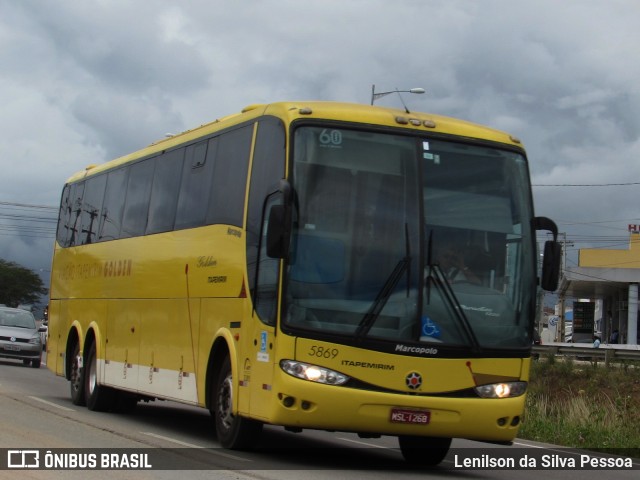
(387, 289)
(437, 276)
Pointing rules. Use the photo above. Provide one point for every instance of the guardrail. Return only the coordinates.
(606, 353)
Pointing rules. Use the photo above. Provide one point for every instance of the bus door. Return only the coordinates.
(260, 354)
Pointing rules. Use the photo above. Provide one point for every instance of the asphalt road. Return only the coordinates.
(37, 414)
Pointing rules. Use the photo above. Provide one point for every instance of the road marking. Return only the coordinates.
(52, 404)
(528, 445)
(362, 443)
(172, 440)
(191, 445)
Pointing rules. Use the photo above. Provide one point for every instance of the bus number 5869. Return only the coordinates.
(322, 352)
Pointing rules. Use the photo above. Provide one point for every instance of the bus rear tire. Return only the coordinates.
(424, 451)
(99, 398)
(76, 377)
(233, 431)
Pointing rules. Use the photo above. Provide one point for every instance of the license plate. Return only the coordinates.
(404, 415)
(14, 348)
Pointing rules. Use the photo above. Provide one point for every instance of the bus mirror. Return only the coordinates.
(544, 223)
(552, 253)
(551, 265)
(278, 232)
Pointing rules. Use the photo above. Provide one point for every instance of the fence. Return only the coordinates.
(606, 353)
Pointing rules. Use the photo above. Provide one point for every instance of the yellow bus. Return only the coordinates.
(311, 265)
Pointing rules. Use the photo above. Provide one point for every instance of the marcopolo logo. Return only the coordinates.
(416, 349)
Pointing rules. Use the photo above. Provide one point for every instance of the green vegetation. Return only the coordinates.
(19, 285)
(584, 405)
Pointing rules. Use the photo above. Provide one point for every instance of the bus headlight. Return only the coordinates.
(313, 373)
(501, 390)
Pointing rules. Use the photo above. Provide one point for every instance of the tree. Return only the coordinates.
(19, 285)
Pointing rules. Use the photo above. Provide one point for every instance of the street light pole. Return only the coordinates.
(375, 95)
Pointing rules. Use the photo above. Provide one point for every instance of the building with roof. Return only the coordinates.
(610, 278)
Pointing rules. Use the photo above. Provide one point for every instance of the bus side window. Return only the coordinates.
(267, 170)
(77, 192)
(91, 208)
(226, 204)
(164, 192)
(266, 292)
(136, 206)
(63, 234)
(113, 205)
(195, 185)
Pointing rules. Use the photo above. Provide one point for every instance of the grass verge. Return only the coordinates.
(584, 405)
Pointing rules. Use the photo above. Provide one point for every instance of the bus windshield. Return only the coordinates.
(410, 239)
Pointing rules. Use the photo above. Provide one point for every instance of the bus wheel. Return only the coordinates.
(99, 398)
(76, 378)
(233, 431)
(424, 451)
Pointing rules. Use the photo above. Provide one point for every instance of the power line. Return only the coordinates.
(26, 205)
(585, 184)
(593, 222)
(27, 220)
(581, 274)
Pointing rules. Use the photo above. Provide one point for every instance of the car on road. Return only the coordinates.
(20, 336)
(44, 327)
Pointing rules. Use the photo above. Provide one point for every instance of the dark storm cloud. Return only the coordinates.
(83, 82)
(118, 46)
(113, 120)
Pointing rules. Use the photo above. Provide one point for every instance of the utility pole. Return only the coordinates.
(561, 330)
(565, 244)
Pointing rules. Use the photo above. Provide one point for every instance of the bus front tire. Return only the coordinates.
(233, 431)
(424, 451)
(99, 398)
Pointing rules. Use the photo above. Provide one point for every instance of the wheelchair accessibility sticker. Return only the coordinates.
(429, 328)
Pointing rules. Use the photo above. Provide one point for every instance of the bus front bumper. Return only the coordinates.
(305, 404)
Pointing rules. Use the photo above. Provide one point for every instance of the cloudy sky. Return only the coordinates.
(84, 82)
